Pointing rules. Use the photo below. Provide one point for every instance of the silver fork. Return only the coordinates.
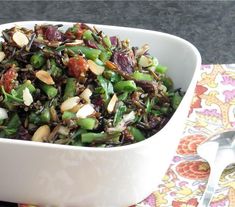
(219, 152)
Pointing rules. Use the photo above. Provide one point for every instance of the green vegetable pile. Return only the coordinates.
(80, 87)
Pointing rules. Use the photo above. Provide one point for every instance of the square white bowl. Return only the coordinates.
(51, 174)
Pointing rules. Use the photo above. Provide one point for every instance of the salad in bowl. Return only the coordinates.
(81, 87)
(88, 117)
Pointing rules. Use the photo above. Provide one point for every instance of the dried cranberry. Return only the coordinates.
(76, 66)
(84, 26)
(91, 44)
(8, 78)
(98, 101)
(114, 40)
(124, 61)
(53, 34)
(23, 134)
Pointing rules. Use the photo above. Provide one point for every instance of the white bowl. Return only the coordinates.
(50, 174)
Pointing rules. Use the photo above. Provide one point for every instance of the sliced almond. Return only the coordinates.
(76, 42)
(85, 111)
(75, 108)
(96, 69)
(27, 97)
(129, 117)
(45, 77)
(142, 50)
(53, 113)
(41, 134)
(86, 94)
(145, 61)
(69, 103)
(20, 39)
(3, 114)
(64, 130)
(112, 103)
(2, 56)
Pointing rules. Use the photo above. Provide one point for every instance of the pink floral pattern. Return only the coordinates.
(212, 110)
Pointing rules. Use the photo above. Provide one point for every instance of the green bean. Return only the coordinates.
(90, 53)
(105, 55)
(136, 133)
(99, 137)
(161, 69)
(37, 60)
(91, 137)
(87, 35)
(142, 76)
(101, 47)
(54, 70)
(125, 86)
(70, 88)
(51, 91)
(87, 123)
(68, 115)
(45, 115)
(107, 41)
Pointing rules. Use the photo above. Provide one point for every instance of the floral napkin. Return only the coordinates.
(212, 110)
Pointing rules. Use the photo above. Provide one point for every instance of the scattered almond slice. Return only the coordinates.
(45, 77)
(64, 130)
(27, 97)
(76, 42)
(20, 39)
(142, 50)
(69, 103)
(76, 108)
(145, 61)
(85, 111)
(96, 69)
(86, 95)
(41, 134)
(53, 113)
(3, 113)
(2, 56)
(112, 103)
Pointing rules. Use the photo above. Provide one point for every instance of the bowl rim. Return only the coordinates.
(97, 149)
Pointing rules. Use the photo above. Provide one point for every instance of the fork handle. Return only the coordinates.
(211, 186)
